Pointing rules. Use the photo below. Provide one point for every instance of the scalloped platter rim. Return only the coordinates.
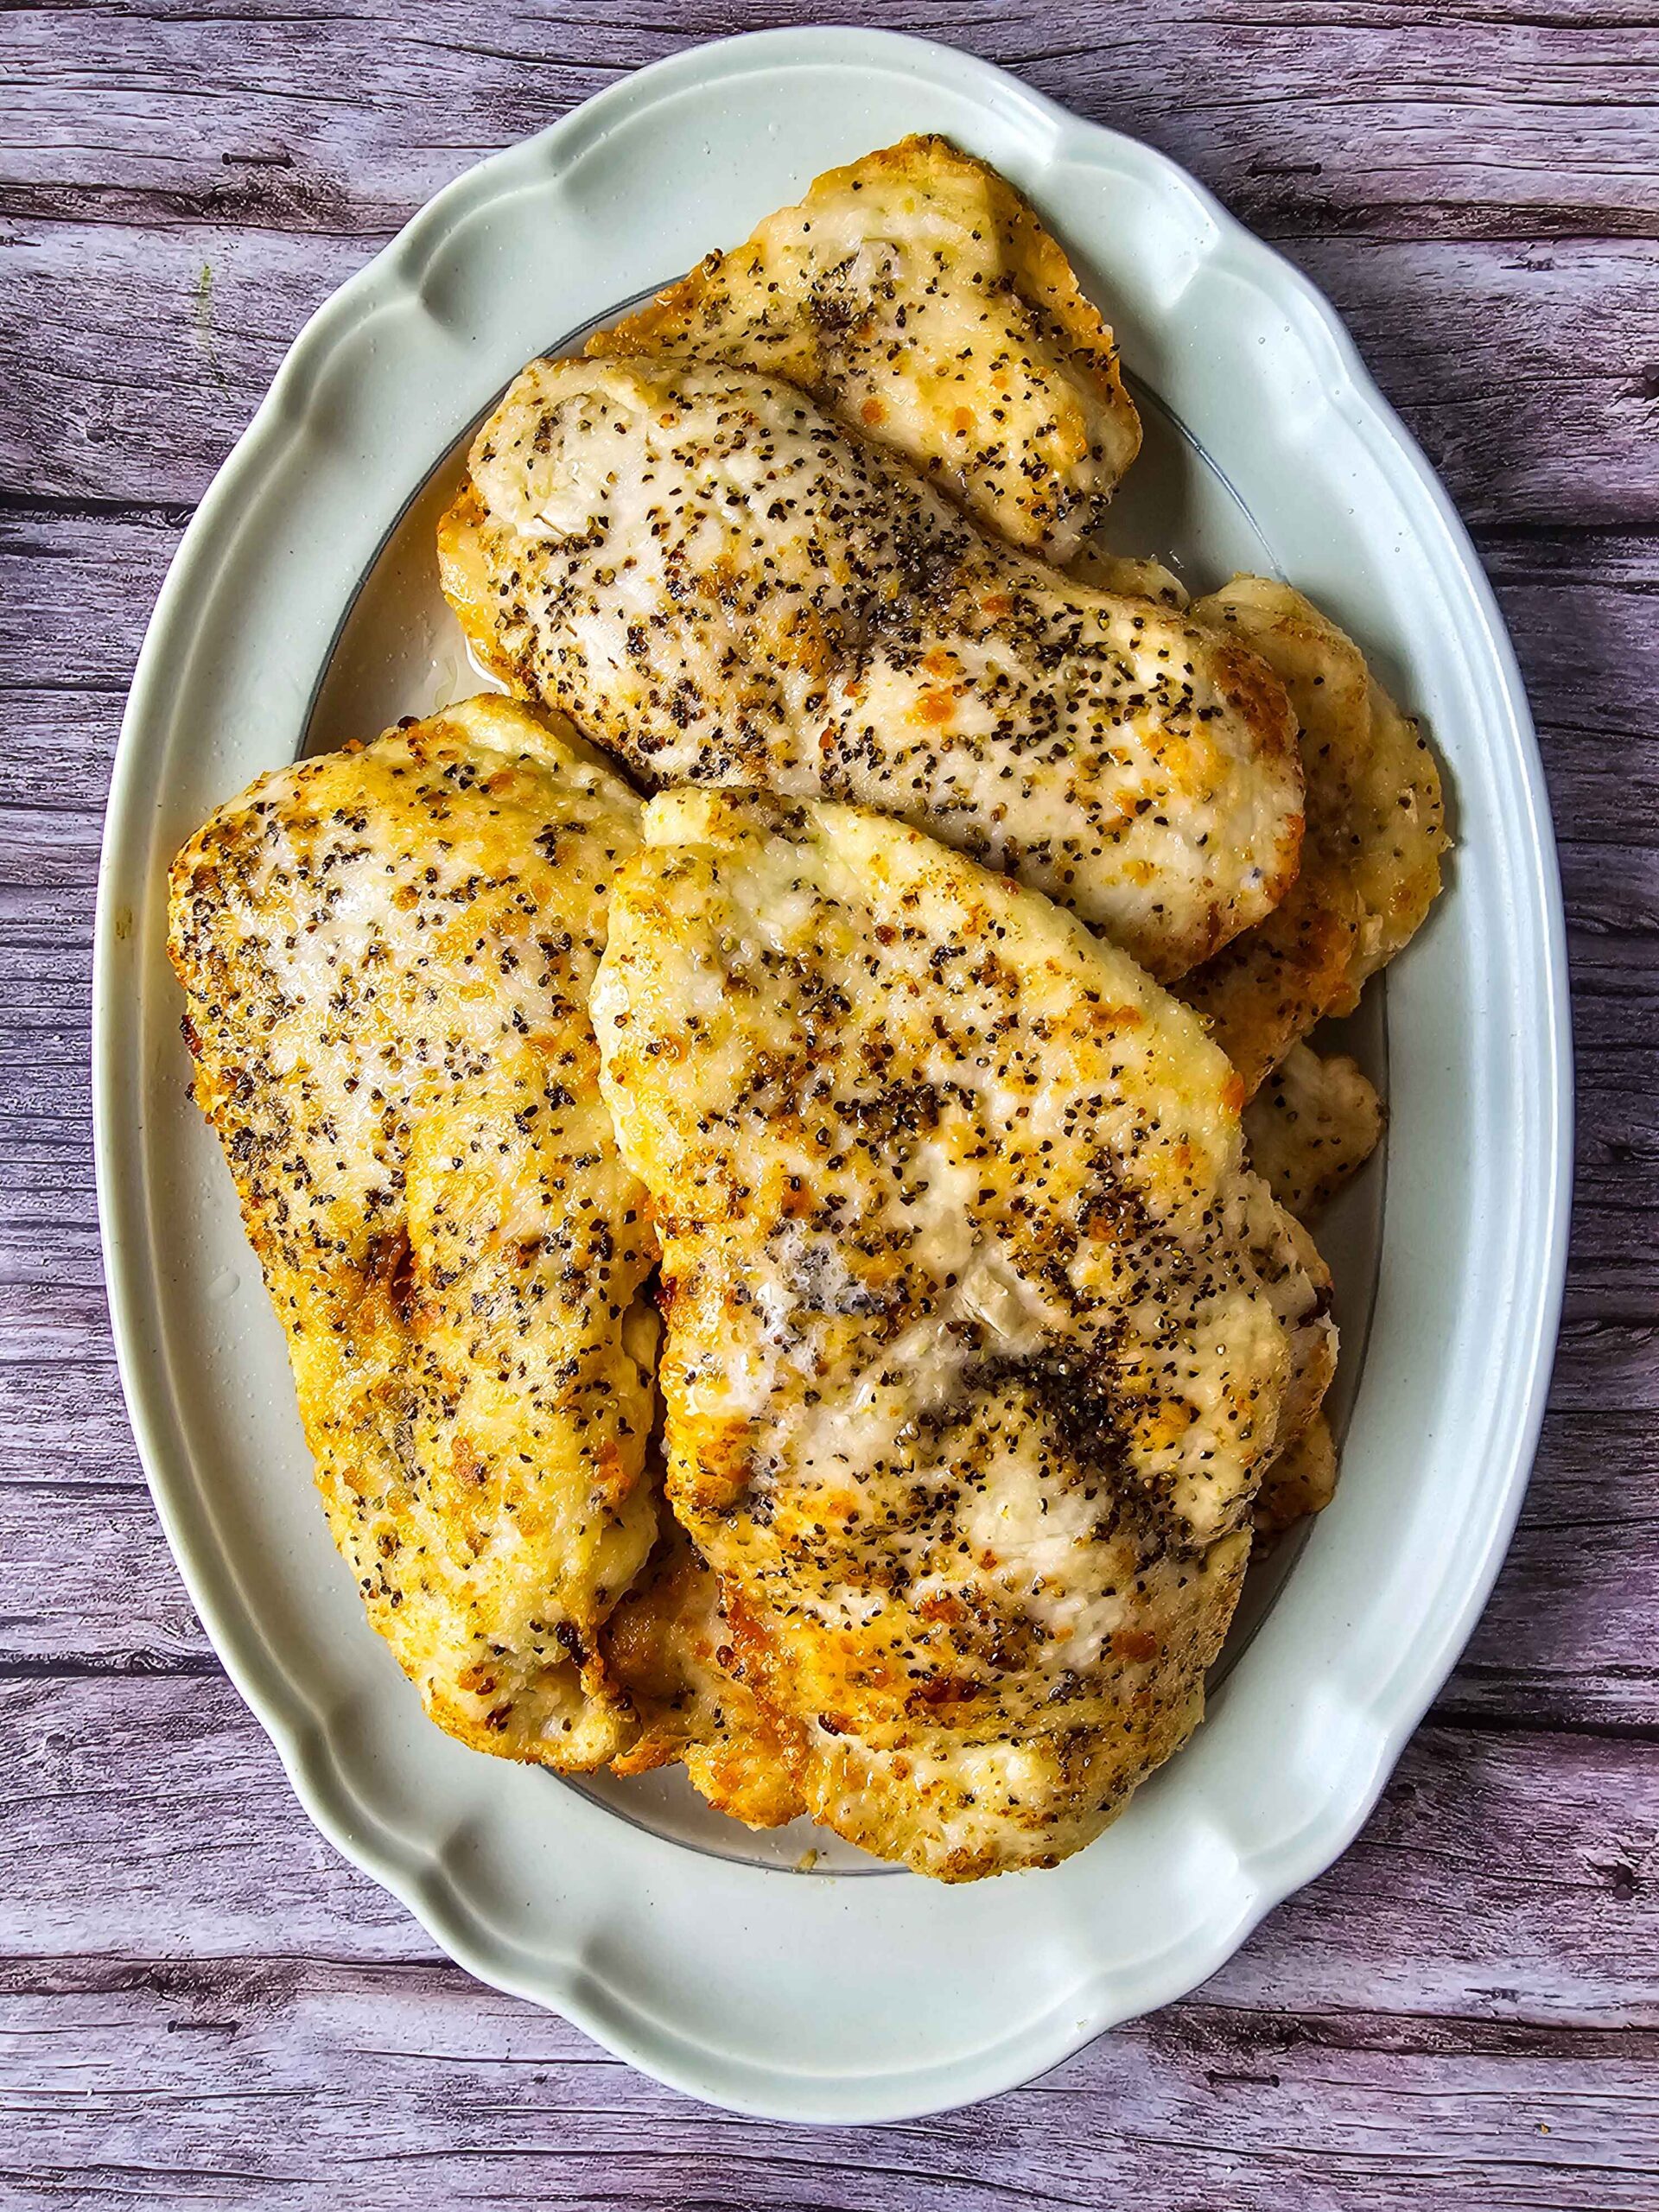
(836, 2000)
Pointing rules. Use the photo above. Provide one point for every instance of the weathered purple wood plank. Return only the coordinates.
(1505, 1877)
(1540, 355)
(1493, 356)
(1567, 1637)
(410, 2086)
(1310, 120)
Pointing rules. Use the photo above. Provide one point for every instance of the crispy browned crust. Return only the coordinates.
(1371, 859)
(867, 1792)
(1301, 1480)
(672, 1648)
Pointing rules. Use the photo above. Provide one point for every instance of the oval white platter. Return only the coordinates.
(301, 609)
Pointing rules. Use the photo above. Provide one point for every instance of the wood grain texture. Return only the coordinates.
(200, 2004)
(1508, 360)
(1374, 119)
(1502, 2041)
(404, 2085)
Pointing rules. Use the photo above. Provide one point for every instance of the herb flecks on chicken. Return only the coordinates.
(978, 1335)
(386, 954)
(1375, 832)
(918, 298)
(727, 588)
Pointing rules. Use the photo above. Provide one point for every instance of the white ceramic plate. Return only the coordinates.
(302, 609)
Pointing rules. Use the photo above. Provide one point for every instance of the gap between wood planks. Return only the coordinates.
(1269, 203)
(1327, 118)
(250, 1981)
(1449, 1712)
(1496, 540)
(1539, 356)
(1207, 2102)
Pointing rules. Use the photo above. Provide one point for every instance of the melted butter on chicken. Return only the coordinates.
(386, 954)
(978, 1333)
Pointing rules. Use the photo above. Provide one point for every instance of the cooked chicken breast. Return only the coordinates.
(1312, 1127)
(1131, 575)
(670, 1645)
(970, 1370)
(727, 590)
(1370, 865)
(1397, 837)
(1302, 1480)
(915, 296)
(386, 954)
(1297, 1285)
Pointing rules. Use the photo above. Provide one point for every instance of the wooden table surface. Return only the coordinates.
(203, 2006)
